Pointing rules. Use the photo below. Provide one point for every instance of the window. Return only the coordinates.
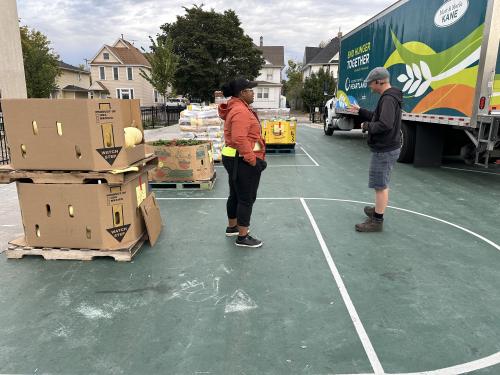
(263, 93)
(130, 75)
(125, 93)
(102, 73)
(269, 75)
(156, 96)
(115, 73)
(105, 56)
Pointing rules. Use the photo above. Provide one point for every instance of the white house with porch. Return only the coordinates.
(268, 90)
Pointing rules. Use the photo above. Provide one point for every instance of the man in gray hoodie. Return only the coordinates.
(384, 139)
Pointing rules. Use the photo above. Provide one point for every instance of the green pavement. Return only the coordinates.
(425, 291)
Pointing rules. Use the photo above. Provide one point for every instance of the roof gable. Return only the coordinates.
(310, 53)
(327, 54)
(125, 53)
(275, 55)
(98, 58)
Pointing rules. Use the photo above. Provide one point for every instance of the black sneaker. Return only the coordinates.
(248, 241)
(232, 231)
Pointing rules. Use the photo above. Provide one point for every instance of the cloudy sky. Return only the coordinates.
(78, 28)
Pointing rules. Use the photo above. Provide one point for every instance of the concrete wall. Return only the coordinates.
(12, 79)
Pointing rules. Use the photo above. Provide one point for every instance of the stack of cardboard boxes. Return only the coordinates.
(82, 176)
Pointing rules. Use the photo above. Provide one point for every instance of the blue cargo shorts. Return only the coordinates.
(381, 166)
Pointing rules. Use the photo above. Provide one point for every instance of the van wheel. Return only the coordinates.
(408, 140)
(326, 128)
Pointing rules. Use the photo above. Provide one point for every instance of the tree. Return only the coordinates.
(317, 88)
(163, 63)
(212, 49)
(41, 65)
(294, 87)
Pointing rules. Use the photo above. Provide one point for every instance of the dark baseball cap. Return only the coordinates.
(234, 87)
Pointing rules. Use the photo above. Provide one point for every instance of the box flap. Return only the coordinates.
(151, 213)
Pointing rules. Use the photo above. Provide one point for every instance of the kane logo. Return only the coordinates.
(450, 12)
(119, 232)
(109, 154)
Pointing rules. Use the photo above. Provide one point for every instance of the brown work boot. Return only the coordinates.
(370, 225)
(369, 211)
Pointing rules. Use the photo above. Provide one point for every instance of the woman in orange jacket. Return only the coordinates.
(243, 157)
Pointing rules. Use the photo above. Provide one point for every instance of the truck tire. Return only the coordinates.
(408, 140)
(326, 128)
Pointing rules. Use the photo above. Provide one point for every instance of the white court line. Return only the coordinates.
(291, 154)
(217, 199)
(285, 165)
(470, 170)
(461, 369)
(489, 242)
(365, 340)
(478, 364)
(314, 161)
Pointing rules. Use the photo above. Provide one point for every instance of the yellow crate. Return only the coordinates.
(279, 131)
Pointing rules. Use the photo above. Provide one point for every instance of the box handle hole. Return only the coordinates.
(78, 153)
(35, 127)
(71, 211)
(89, 233)
(23, 151)
(59, 128)
(49, 212)
(37, 230)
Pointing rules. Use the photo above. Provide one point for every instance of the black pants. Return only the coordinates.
(243, 191)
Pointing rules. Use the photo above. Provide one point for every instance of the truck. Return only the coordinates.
(444, 56)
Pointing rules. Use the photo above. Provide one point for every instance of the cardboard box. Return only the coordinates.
(183, 163)
(71, 134)
(83, 216)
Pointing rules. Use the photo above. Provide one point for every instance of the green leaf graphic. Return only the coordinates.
(442, 61)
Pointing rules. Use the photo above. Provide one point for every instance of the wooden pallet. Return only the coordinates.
(18, 249)
(185, 185)
(8, 174)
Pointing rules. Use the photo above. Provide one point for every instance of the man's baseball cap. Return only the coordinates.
(377, 74)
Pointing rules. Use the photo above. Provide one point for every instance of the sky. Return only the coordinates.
(77, 29)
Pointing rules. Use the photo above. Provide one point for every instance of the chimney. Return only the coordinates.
(339, 35)
(261, 41)
(122, 36)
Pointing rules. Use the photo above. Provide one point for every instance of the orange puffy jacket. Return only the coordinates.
(242, 129)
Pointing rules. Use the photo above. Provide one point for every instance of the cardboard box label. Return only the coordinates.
(115, 198)
(109, 154)
(119, 232)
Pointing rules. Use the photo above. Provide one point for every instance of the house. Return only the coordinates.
(326, 57)
(72, 83)
(115, 72)
(268, 90)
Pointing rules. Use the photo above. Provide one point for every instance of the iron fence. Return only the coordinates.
(156, 117)
(4, 150)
